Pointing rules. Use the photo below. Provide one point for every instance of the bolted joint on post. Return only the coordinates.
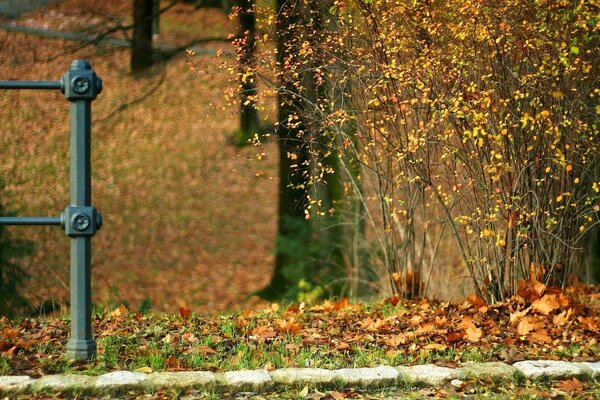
(80, 82)
(78, 221)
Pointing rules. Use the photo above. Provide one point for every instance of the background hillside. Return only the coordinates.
(187, 220)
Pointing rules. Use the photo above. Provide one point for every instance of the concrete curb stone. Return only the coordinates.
(593, 368)
(262, 380)
(428, 374)
(120, 380)
(246, 380)
(296, 377)
(181, 380)
(487, 370)
(68, 382)
(15, 384)
(551, 369)
(382, 375)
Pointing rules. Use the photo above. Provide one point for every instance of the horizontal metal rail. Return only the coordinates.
(30, 221)
(30, 84)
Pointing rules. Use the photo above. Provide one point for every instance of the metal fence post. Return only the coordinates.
(80, 219)
(81, 86)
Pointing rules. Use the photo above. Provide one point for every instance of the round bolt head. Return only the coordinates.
(80, 84)
(80, 222)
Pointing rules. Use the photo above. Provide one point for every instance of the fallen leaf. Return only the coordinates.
(201, 350)
(119, 311)
(185, 312)
(476, 301)
(525, 326)
(540, 336)
(546, 304)
(473, 334)
(145, 370)
(570, 385)
(563, 317)
(289, 326)
(396, 340)
(337, 395)
(425, 328)
(303, 393)
(517, 315)
(454, 337)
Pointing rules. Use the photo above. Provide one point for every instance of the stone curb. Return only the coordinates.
(262, 380)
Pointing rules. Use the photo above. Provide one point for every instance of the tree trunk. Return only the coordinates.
(141, 47)
(293, 228)
(249, 123)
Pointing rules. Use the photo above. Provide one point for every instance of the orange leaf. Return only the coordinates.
(425, 328)
(473, 334)
(563, 317)
(263, 332)
(119, 311)
(394, 300)
(185, 312)
(476, 301)
(571, 385)
(540, 336)
(546, 304)
(289, 326)
(528, 324)
(590, 323)
(517, 315)
(454, 337)
(395, 341)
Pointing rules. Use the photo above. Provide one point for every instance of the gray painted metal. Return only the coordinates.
(30, 85)
(80, 219)
(30, 221)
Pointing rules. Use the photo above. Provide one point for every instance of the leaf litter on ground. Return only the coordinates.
(539, 323)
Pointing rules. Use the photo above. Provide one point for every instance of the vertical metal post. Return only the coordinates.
(80, 219)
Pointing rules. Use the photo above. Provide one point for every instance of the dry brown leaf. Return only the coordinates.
(415, 320)
(289, 326)
(571, 385)
(540, 336)
(454, 337)
(425, 328)
(263, 332)
(395, 341)
(517, 315)
(563, 317)
(525, 326)
(590, 323)
(547, 304)
(473, 334)
(476, 301)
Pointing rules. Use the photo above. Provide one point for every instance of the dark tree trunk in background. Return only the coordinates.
(249, 123)
(141, 47)
(294, 231)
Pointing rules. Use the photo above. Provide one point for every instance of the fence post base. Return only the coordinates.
(81, 349)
